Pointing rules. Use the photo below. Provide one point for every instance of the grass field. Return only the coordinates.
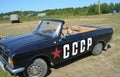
(105, 65)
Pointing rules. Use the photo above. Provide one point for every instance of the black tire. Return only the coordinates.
(97, 50)
(38, 68)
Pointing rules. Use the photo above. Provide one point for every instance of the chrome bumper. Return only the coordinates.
(15, 71)
(6, 66)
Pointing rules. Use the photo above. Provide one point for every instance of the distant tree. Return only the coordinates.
(83, 11)
(93, 9)
(111, 7)
(104, 8)
(88, 10)
(117, 7)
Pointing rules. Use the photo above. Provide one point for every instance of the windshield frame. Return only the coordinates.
(53, 20)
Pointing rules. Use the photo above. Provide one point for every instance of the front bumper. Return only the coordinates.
(6, 66)
(15, 71)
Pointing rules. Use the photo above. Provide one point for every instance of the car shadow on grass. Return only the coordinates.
(68, 62)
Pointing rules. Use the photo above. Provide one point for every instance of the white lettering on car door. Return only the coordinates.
(65, 49)
(74, 48)
(89, 43)
(81, 46)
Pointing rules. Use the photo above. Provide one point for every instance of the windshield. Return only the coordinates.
(49, 28)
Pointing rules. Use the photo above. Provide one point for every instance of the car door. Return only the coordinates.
(70, 47)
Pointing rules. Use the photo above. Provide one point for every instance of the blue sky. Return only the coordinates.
(39, 5)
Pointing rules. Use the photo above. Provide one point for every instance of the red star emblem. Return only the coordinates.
(56, 53)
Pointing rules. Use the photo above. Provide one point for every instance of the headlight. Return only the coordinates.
(10, 60)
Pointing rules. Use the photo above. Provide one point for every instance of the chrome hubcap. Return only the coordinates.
(34, 70)
(98, 48)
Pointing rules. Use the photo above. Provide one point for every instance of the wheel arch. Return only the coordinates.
(101, 41)
(38, 59)
(44, 57)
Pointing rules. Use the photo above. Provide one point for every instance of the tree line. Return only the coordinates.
(87, 10)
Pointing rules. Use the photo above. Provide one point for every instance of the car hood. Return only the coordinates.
(21, 40)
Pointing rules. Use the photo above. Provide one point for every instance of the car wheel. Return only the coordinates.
(97, 50)
(37, 68)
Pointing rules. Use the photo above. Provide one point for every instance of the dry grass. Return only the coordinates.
(104, 65)
(17, 29)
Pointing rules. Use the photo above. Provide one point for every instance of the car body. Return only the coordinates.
(50, 43)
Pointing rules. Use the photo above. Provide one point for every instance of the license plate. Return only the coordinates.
(2, 66)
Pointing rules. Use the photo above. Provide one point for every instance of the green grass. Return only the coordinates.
(5, 74)
(105, 65)
(28, 19)
(4, 20)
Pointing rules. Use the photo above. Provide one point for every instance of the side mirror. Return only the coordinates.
(62, 38)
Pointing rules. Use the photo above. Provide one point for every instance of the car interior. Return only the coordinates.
(77, 29)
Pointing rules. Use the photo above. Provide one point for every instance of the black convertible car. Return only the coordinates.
(50, 44)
